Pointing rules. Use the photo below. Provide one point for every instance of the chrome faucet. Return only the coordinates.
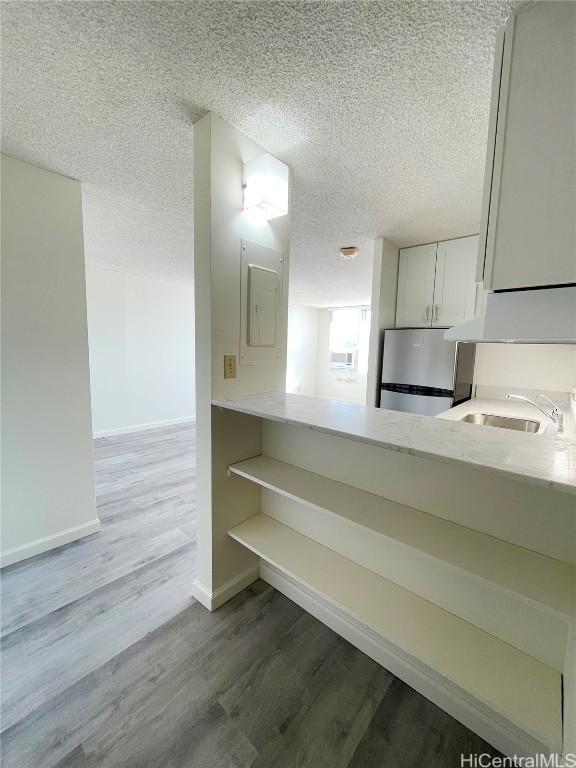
(555, 414)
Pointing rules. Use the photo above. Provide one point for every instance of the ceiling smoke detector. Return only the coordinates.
(349, 252)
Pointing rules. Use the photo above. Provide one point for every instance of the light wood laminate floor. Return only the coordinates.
(108, 661)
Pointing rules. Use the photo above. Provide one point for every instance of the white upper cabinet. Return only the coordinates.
(455, 283)
(416, 270)
(528, 233)
(436, 283)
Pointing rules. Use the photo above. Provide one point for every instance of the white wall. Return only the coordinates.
(222, 152)
(335, 383)
(308, 370)
(47, 458)
(302, 357)
(383, 309)
(549, 367)
(141, 340)
(220, 225)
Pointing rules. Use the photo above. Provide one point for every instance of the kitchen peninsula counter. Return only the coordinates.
(535, 459)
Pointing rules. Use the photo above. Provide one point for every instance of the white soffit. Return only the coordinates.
(380, 108)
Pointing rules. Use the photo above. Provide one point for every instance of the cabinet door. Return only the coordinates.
(455, 284)
(483, 263)
(481, 300)
(531, 237)
(416, 271)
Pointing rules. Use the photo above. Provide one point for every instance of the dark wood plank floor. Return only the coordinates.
(108, 661)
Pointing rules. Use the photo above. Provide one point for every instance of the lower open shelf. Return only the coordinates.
(521, 695)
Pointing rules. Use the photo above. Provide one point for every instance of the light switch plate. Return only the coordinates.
(229, 366)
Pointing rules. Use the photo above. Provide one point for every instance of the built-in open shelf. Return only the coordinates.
(520, 596)
(490, 677)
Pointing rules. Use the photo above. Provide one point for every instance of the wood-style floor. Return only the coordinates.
(108, 661)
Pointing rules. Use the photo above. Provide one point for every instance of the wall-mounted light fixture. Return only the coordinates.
(266, 187)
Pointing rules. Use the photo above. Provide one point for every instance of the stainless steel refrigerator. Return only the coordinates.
(423, 373)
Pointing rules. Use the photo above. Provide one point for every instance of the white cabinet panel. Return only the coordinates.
(529, 210)
(416, 272)
(481, 300)
(455, 286)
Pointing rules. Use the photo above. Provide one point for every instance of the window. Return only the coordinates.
(348, 341)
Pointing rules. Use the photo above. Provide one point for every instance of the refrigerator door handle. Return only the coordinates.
(426, 312)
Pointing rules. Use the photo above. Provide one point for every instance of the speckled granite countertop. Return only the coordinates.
(535, 459)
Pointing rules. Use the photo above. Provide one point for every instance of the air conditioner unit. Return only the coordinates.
(344, 359)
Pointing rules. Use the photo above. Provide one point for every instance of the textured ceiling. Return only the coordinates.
(381, 109)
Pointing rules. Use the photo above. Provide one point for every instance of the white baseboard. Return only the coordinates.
(142, 427)
(213, 600)
(202, 594)
(494, 729)
(39, 546)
